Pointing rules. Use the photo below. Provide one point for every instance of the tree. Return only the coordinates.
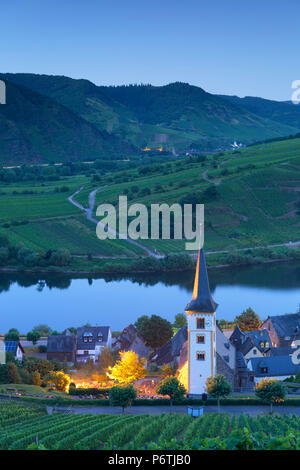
(172, 388)
(218, 387)
(36, 379)
(60, 380)
(13, 376)
(105, 360)
(122, 396)
(154, 330)
(167, 370)
(180, 320)
(33, 336)
(128, 369)
(12, 335)
(248, 320)
(270, 391)
(43, 330)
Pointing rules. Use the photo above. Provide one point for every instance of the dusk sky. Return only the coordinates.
(223, 46)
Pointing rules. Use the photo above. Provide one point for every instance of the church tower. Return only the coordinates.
(201, 331)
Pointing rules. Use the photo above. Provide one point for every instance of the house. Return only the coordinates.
(91, 340)
(251, 343)
(283, 330)
(169, 352)
(275, 367)
(62, 347)
(15, 348)
(130, 339)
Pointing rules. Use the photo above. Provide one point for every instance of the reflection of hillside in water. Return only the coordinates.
(271, 276)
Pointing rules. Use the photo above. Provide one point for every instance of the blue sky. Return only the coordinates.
(224, 46)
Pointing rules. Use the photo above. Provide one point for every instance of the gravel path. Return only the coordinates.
(156, 410)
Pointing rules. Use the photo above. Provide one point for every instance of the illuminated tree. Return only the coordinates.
(128, 369)
(270, 391)
(59, 379)
(36, 378)
(218, 387)
(167, 370)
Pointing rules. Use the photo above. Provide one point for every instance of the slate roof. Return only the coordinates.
(282, 351)
(171, 350)
(202, 300)
(61, 343)
(286, 325)
(129, 339)
(246, 340)
(276, 365)
(240, 360)
(95, 331)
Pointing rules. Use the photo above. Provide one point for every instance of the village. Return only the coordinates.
(198, 350)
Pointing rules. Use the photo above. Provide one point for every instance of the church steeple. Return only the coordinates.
(202, 301)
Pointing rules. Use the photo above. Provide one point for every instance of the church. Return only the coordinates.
(201, 350)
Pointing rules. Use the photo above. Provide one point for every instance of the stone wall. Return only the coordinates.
(224, 369)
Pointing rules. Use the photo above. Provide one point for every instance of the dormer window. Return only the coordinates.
(87, 337)
(100, 337)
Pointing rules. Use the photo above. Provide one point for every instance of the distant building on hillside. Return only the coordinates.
(283, 330)
(90, 342)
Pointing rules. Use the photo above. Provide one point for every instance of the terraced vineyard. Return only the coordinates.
(20, 425)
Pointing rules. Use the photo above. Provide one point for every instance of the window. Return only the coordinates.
(100, 337)
(262, 345)
(264, 370)
(200, 323)
(200, 339)
(254, 351)
(200, 356)
(86, 353)
(267, 344)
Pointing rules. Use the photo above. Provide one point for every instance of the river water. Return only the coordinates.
(60, 301)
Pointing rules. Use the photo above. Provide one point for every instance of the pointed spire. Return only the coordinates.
(202, 300)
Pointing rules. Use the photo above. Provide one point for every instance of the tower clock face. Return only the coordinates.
(208, 322)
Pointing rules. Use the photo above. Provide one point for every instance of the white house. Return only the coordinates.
(90, 342)
(15, 348)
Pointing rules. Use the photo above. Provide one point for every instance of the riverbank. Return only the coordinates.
(89, 266)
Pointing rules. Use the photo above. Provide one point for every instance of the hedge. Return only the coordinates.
(156, 402)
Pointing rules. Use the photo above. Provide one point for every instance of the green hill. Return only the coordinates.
(177, 116)
(282, 112)
(251, 197)
(35, 128)
(255, 201)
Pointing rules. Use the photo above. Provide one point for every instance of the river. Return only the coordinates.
(60, 301)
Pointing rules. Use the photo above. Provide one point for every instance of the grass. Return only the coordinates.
(258, 197)
(30, 389)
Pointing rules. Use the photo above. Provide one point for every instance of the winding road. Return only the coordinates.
(89, 216)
